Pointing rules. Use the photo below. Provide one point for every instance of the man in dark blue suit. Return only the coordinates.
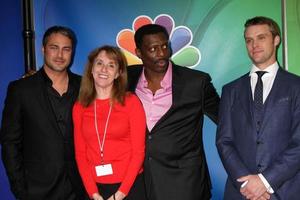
(258, 135)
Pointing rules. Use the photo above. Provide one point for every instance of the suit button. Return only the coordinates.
(259, 142)
(149, 137)
(150, 158)
(260, 169)
(259, 166)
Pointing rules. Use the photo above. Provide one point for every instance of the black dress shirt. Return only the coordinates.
(62, 108)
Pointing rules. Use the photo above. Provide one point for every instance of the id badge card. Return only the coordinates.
(103, 170)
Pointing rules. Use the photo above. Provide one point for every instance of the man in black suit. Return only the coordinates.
(37, 131)
(175, 99)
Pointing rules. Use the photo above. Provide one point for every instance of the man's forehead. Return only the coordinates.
(59, 39)
(256, 30)
(154, 39)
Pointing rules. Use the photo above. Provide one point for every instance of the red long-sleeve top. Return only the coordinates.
(124, 146)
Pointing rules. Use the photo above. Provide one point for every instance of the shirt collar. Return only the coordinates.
(271, 69)
(46, 78)
(48, 81)
(166, 83)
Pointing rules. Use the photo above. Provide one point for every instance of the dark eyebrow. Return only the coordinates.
(263, 34)
(67, 47)
(53, 45)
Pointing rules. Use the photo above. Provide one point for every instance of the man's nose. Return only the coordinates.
(60, 53)
(161, 51)
(255, 43)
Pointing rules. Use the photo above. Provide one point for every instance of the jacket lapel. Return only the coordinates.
(134, 74)
(244, 94)
(272, 98)
(177, 85)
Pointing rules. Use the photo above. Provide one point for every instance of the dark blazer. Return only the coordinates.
(175, 166)
(275, 150)
(33, 147)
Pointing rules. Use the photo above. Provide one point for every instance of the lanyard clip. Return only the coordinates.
(102, 158)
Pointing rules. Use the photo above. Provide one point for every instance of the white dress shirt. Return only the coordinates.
(268, 80)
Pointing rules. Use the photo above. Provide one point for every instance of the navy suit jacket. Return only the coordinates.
(175, 165)
(275, 150)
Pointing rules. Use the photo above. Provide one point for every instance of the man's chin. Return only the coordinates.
(161, 69)
(59, 69)
(256, 61)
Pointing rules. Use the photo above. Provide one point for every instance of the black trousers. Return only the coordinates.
(137, 191)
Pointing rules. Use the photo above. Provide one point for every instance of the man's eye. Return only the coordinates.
(67, 49)
(152, 49)
(52, 47)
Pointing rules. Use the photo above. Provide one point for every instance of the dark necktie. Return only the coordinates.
(258, 92)
(258, 98)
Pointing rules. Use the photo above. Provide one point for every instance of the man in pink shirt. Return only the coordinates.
(175, 100)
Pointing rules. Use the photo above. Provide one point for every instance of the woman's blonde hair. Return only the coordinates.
(87, 92)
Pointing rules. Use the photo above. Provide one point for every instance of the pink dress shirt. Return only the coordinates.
(156, 105)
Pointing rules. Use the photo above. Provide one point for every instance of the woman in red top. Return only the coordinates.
(110, 127)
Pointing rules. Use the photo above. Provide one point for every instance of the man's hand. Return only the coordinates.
(265, 196)
(254, 189)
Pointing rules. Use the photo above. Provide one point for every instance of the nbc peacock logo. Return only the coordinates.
(181, 37)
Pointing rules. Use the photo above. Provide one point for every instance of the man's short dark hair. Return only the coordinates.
(148, 29)
(62, 30)
(260, 20)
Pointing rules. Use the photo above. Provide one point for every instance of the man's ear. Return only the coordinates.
(138, 52)
(277, 40)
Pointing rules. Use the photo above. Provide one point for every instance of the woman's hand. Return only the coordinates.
(118, 196)
(97, 196)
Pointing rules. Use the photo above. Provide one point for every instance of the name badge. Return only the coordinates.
(103, 170)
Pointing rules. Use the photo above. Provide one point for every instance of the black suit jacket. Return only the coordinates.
(33, 147)
(175, 165)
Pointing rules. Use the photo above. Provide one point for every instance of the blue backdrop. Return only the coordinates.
(11, 63)
(214, 30)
